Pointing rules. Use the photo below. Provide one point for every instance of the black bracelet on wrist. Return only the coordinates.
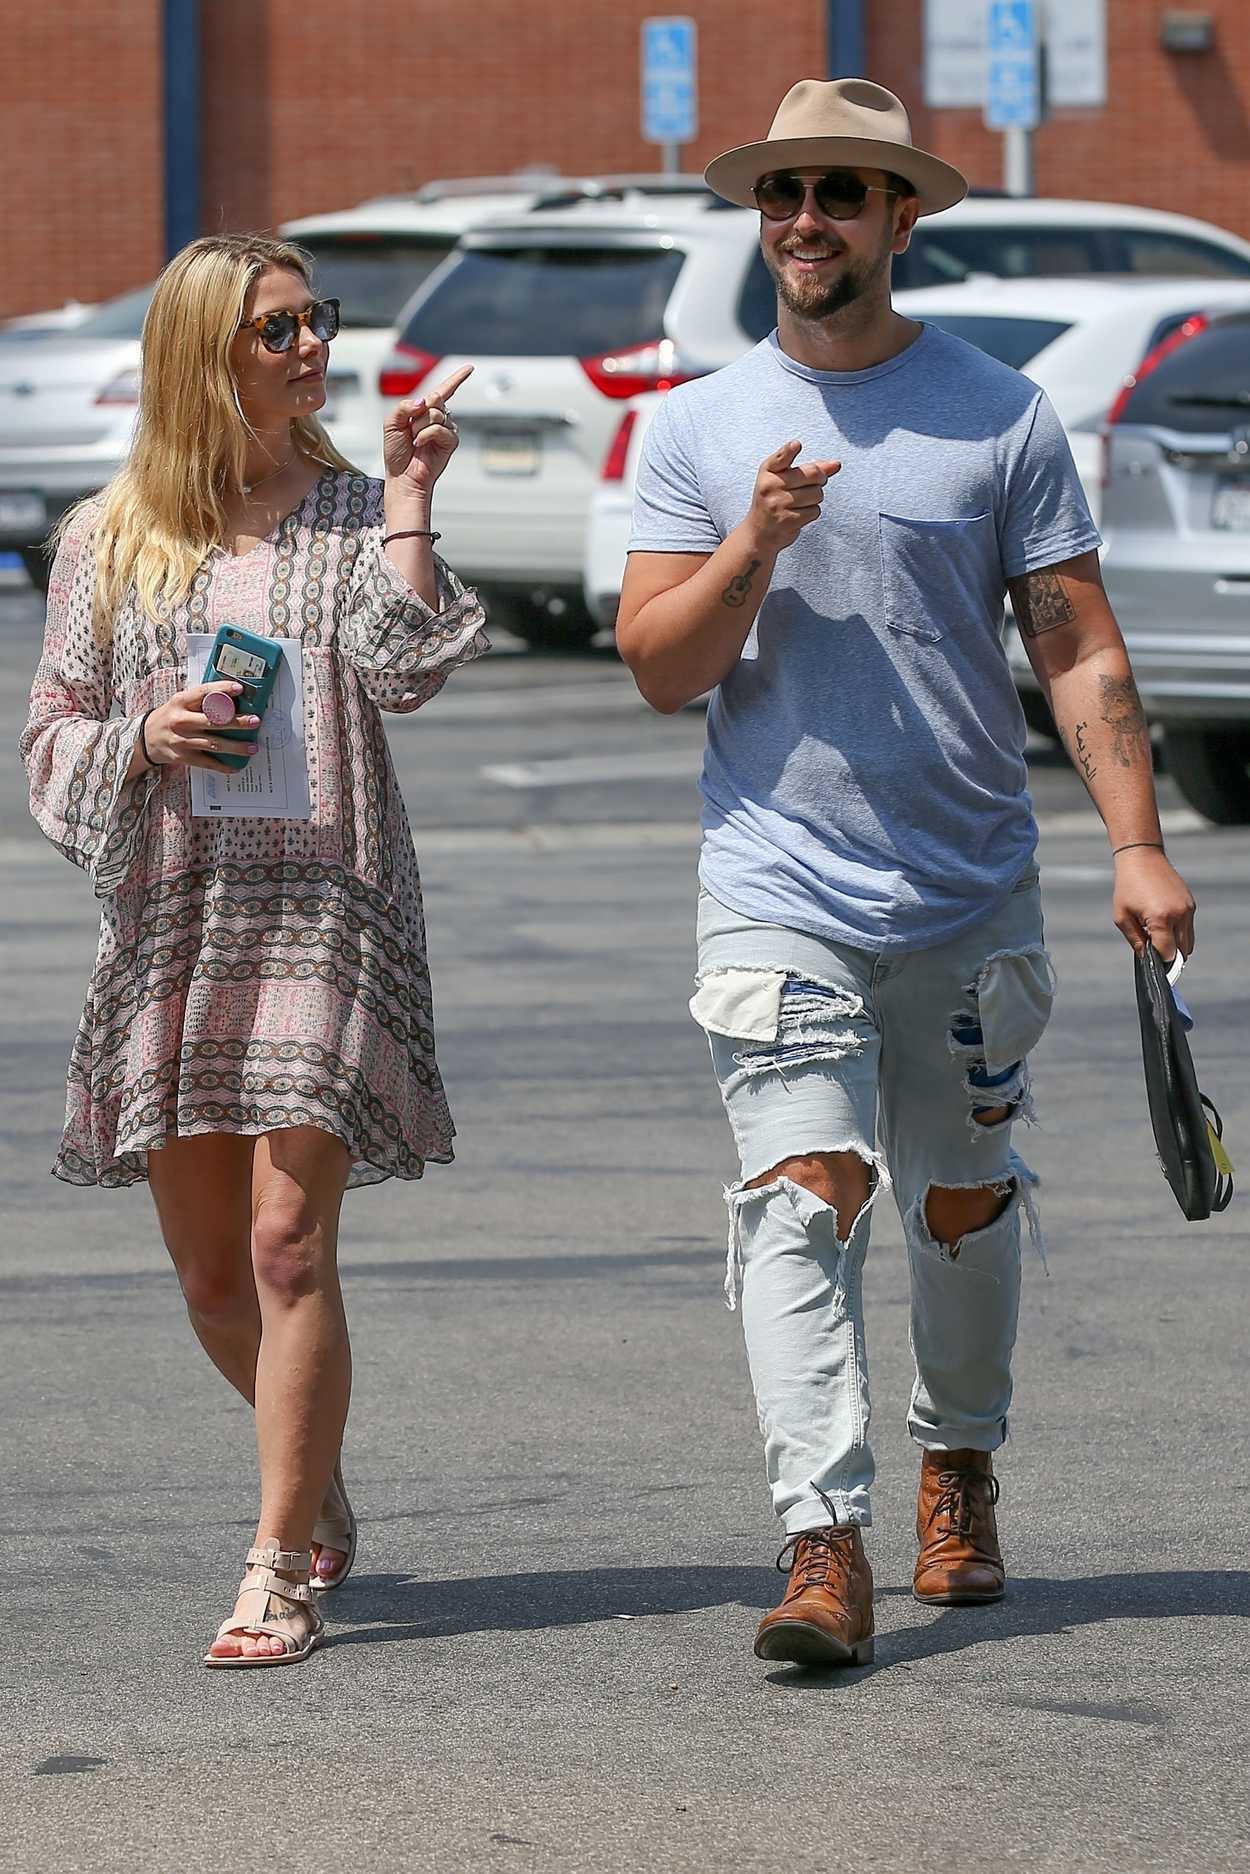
(143, 740)
(1155, 845)
(411, 533)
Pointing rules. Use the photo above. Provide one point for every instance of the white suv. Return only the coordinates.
(373, 258)
(565, 314)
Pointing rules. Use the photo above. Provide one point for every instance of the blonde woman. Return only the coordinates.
(258, 1029)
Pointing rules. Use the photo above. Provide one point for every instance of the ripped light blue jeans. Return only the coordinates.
(893, 1056)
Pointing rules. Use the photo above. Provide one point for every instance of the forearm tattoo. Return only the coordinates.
(1122, 713)
(1080, 748)
(738, 590)
(1040, 603)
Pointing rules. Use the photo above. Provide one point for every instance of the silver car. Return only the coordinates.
(67, 409)
(1176, 517)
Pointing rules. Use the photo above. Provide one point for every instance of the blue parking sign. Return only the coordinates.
(669, 84)
(1013, 99)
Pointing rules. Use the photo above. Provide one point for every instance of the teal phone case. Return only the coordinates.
(234, 658)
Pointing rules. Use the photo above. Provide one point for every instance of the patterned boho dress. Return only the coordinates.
(251, 974)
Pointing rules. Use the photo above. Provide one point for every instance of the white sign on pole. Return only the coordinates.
(670, 106)
(1074, 33)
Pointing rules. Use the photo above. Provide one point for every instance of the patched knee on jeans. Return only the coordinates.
(1005, 1015)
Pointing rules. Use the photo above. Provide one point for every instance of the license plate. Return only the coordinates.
(1230, 510)
(22, 512)
(512, 451)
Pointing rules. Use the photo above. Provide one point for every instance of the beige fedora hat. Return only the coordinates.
(842, 120)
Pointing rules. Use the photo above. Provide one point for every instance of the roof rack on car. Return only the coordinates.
(520, 182)
(626, 189)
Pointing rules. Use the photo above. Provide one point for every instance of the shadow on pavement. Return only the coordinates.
(399, 1608)
(1036, 1605)
(395, 1607)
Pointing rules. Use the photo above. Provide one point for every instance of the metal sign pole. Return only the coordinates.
(1018, 161)
(1013, 89)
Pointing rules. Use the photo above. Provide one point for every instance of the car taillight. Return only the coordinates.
(1151, 362)
(617, 456)
(124, 388)
(629, 373)
(404, 370)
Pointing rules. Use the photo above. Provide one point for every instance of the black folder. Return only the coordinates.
(1179, 1112)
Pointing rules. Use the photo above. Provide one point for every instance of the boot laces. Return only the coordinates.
(812, 1554)
(956, 1501)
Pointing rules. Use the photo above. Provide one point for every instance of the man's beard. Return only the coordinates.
(810, 298)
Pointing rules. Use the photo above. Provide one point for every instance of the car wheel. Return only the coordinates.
(1037, 714)
(38, 567)
(1211, 767)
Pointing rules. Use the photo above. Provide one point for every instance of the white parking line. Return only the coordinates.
(578, 770)
(610, 696)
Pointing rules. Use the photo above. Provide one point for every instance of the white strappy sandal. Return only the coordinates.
(339, 1534)
(251, 1616)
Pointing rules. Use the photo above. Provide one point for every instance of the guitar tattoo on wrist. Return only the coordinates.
(738, 591)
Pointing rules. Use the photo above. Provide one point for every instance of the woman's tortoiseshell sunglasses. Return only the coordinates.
(279, 330)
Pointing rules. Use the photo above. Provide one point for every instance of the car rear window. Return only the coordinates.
(373, 275)
(119, 318)
(1203, 387)
(1013, 341)
(938, 255)
(546, 302)
(1180, 256)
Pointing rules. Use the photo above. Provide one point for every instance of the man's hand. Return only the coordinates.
(1153, 904)
(786, 499)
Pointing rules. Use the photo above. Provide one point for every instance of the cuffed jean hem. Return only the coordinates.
(812, 1513)
(958, 1438)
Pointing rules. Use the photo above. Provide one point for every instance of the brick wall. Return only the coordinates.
(414, 90)
(308, 106)
(81, 193)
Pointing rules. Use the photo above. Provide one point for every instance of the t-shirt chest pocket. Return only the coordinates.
(935, 572)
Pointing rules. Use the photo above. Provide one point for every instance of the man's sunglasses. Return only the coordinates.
(279, 330)
(839, 193)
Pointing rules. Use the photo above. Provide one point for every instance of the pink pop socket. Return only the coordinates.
(219, 708)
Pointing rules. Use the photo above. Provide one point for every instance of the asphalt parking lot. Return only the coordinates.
(544, 1657)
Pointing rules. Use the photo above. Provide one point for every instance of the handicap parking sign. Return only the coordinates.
(669, 82)
(1013, 98)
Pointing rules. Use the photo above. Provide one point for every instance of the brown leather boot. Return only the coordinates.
(825, 1617)
(960, 1560)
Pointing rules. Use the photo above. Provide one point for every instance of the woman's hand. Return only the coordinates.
(179, 734)
(419, 440)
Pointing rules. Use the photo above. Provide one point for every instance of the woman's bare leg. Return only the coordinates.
(203, 1191)
(303, 1372)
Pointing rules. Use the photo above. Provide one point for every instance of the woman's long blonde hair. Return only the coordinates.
(164, 509)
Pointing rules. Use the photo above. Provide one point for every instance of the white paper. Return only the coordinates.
(274, 784)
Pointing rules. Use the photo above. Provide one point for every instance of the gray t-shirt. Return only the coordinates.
(864, 778)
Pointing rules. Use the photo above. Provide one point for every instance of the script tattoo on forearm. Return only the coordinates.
(1040, 603)
(1084, 759)
(1122, 713)
(738, 590)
